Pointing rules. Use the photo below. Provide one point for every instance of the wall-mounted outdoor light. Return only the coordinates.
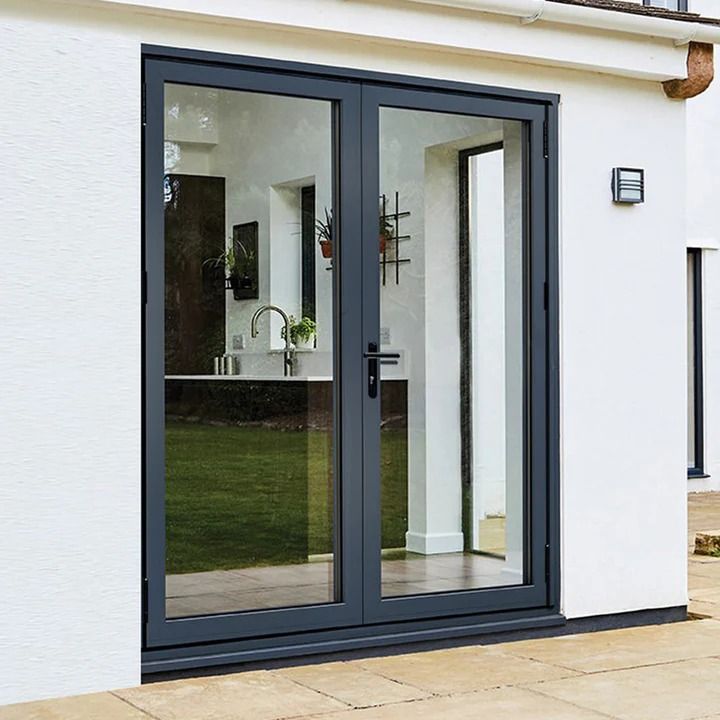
(628, 185)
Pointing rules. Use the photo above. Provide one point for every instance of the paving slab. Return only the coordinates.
(703, 610)
(353, 684)
(679, 691)
(257, 695)
(629, 647)
(503, 703)
(706, 594)
(462, 669)
(98, 706)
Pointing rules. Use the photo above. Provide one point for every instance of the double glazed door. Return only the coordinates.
(345, 349)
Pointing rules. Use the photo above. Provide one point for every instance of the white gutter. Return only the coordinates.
(530, 11)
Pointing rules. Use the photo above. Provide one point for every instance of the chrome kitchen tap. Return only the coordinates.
(289, 354)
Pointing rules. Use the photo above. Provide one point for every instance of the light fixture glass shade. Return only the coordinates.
(628, 185)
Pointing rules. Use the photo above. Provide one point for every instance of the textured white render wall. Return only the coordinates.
(70, 363)
(70, 491)
(703, 230)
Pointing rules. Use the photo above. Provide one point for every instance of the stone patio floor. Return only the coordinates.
(703, 571)
(661, 672)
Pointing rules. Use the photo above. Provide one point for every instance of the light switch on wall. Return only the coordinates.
(238, 342)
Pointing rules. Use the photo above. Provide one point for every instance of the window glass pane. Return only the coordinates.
(452, 305)
(669, 4)
(691, 460)
(249, 411)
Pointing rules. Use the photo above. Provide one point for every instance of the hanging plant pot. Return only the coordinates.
(234, 282)
(383, 243)
(326, 248)
(242, 287)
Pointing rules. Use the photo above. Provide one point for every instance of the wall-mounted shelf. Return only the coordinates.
(390, 257)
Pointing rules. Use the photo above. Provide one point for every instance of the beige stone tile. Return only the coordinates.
(353, 684)
(99, 706)
(709, 571)
(630, 647)
(677, 691)
(706, 594)
(704, 609)
(702, 582)
(503, 703)
(461, 669)
(253, 695)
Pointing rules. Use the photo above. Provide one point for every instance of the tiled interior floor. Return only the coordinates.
(310, 583)
(703, 571)
(657, 672)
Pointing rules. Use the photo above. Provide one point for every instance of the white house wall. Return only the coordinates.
(70, 503)
(703, 231)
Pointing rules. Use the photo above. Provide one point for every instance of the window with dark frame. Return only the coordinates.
(681, 5)
(695, 367)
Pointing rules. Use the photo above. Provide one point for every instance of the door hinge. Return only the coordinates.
(144, 104)
(547, 562)
(144, 287)
(546, 141)
(545, 295)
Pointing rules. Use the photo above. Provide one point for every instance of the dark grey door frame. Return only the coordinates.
(362, 618)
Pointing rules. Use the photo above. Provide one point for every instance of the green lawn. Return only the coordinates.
(248, 496)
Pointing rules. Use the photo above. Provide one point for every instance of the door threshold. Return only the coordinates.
(280, 650)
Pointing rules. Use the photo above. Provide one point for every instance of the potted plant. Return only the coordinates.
(325, 233)
(242, 270)
(237, 271)
(302, 332)
(386, 231)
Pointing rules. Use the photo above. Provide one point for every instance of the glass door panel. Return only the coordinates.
(449, 324)
(250, 510)
(452, 307)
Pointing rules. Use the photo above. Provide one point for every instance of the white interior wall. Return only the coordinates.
(419, 159)
(266, 147)
(487, 261)
(76, 614)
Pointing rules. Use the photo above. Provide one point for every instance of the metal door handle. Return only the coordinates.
(383, 356)
(373, 356)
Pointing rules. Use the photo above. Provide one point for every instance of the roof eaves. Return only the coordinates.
(635, 9)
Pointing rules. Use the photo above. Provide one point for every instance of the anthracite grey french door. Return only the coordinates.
(346, 357)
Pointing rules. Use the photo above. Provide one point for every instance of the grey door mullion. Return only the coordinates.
(154, 360)
(536, 504)
(370, 331)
